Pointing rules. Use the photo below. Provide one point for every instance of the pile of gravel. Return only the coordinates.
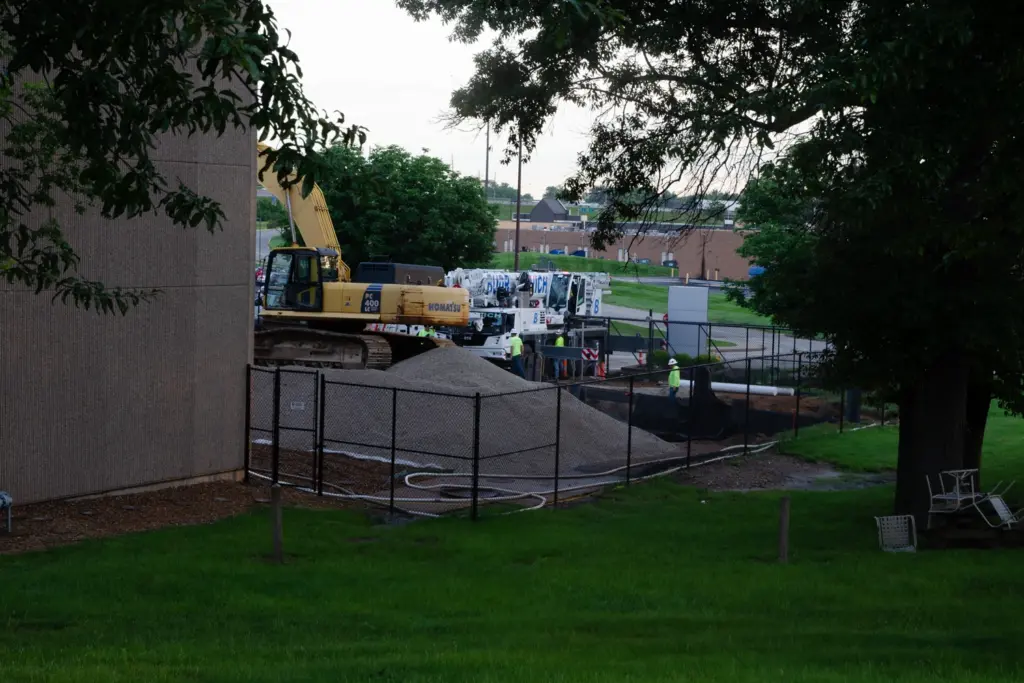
(436, 428)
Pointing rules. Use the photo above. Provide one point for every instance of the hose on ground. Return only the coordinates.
(495, 494)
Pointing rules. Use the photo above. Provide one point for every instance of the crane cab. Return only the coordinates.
(295, 277)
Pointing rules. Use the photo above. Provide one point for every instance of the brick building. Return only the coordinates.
(714, 249)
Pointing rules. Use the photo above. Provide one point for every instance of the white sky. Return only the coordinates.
(371, 61)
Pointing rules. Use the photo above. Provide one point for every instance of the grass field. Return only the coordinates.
(655, 297)
(579, 264)
(652, 583)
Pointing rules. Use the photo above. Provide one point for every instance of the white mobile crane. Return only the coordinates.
(536, 304)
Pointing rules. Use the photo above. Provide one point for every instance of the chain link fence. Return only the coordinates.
(432, 453)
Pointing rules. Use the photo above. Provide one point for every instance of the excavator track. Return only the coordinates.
(313, 348)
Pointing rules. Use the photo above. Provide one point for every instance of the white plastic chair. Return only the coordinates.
(897, 533)
(1007, 518)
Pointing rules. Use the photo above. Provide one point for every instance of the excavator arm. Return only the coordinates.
(308, 216)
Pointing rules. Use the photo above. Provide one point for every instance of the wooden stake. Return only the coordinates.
(784, 530)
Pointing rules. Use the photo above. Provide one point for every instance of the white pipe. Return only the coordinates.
(730, 388)
(756, 389)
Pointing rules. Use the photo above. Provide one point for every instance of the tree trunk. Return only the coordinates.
(979, 398)
(933, 412)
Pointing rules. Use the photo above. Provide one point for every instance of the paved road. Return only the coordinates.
(263, 238)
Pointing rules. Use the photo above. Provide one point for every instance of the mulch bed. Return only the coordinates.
(43, 525)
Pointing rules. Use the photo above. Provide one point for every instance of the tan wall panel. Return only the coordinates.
(92, 403)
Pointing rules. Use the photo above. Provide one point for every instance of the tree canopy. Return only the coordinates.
(88, 90)
(271, 212)
(552, 192)
(887, 134)
(410, 209)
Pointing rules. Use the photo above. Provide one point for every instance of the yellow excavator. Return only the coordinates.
(315, 315)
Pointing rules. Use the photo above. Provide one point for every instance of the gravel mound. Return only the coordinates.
(517, 431)
(455, 368)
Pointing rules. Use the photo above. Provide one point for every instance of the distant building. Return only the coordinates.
(548, 211)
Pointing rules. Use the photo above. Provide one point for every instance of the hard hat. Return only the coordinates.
(672, 361)
(514, 331)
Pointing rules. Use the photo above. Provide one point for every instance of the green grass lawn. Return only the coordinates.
(654, 297)
(654, 583)
(579, 264)
(874, 449)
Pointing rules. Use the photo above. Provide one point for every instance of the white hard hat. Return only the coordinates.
(673, 361)
(514, 331)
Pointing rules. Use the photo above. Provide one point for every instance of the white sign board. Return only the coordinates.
(688, 305)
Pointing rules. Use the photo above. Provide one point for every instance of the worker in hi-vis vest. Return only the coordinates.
(561, 366)
(515, 349)
(673, 378)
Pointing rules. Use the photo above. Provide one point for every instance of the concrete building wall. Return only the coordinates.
(92, 403)
(717, 246)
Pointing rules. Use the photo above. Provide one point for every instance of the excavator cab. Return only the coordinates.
(295, 277)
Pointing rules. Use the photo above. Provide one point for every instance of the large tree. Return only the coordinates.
(411, 209)
(89, 88)
(899, 123)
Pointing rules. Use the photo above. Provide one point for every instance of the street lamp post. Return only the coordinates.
(519, 198)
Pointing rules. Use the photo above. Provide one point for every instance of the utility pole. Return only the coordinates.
(487, 163)
(519, 199)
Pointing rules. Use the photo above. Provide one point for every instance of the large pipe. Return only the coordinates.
(756, 389)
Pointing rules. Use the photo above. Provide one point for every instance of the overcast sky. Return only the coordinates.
(371, 61)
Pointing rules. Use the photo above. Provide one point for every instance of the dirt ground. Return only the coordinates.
(756, 472)
(341, 474)
(43, 525)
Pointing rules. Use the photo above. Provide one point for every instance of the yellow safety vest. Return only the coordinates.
(559, 341)
(516, 345)
(673, 377)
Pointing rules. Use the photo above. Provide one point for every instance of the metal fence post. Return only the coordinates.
(275, 455)
(650, 341)
(690, 412)
(476, 456)
(558, 439)
(881, 408)
(842, 409)
(799, 377)
(746, 416)
(394, 447)
(247, 443)
(629, 432)
(322, 435)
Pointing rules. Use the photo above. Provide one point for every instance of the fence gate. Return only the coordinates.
(283, 420)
